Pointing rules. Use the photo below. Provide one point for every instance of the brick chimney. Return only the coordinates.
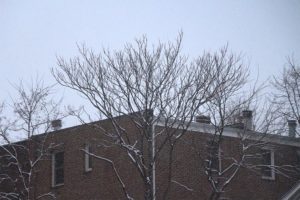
(56, 124)
(247, 119)
(292, 128)
(203, 119)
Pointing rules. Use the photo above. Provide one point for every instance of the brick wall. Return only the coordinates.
(188, 176)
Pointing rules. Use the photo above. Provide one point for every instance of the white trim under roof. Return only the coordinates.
(238, 133)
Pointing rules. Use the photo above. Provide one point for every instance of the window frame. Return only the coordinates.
(87, 158)
(271, 165)
(216, 160)
(54, 169)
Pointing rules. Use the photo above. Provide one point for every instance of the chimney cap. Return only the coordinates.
(56, 124)
(292, 122)
(203, 119)
(247, 113)
(292, 127)
(248, 119)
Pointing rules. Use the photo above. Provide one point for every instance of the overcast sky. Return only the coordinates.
(33, 33)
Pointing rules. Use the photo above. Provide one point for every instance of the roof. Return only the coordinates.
(235, 132)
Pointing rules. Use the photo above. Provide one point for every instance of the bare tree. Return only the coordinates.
(287, 94)
(149, 85)
(230, 111)
(223, 110)
(33, 111)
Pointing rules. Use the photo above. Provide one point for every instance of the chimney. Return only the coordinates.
(56, 124)
(248, 120)
(203, 119)
(292, 128)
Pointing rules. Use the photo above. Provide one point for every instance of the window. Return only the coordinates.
(268, 164)
(214, 164)
(87, 158)
(58, 169)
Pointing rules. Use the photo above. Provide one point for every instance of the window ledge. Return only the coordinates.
(58, 185)
(268, 178)
(88, 170)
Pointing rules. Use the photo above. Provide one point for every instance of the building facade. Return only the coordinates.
(81, 164)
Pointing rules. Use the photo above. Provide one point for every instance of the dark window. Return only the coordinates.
(87, 158)
(213, 160)
(58, 168)
(268, 164)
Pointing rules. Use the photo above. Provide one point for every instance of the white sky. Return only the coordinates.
(32, 33)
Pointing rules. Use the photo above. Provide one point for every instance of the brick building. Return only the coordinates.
(68, 172)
